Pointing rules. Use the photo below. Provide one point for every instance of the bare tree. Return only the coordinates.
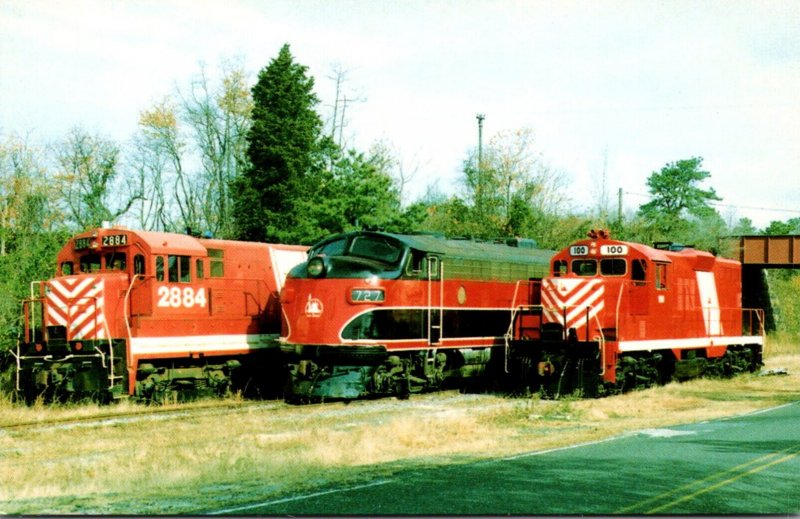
(514, 191)
(189, 148)
(218, 119)
(91, 187)
(388, 159)
(152, 160)
(342, 99)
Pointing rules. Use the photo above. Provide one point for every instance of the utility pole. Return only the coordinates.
(480, 118)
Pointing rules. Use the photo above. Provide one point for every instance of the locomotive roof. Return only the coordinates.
(470, 249)
(171, 243)
(157, 242)
(703, 260)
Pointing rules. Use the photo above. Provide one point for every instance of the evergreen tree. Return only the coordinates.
(678, 202)
(282, 144)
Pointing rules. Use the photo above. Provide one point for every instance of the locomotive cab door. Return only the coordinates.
(435, 273)
(639, 290)
(141, 298)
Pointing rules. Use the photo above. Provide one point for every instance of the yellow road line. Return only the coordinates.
(764, 460)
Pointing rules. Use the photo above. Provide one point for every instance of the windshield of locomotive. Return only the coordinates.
(93, 262)
(376, 248)
(588, 267)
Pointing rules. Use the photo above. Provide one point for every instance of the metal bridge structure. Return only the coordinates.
(757, 253)
(780, 251)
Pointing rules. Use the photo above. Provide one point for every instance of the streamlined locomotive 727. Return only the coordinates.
(151, 315)
(373, 313)
(615, 315)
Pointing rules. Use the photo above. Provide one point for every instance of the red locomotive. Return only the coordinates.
(374, 313)
(615, 315)
(151, 314)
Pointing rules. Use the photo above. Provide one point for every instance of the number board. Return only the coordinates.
(82, 243)
(579, 250)
(367, 295)
(115, 240)
(614, 250)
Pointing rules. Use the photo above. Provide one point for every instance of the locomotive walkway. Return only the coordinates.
(742, 465)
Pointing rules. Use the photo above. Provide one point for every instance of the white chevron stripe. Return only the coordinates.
(77, 303)
(76, 287)
(86, 320)
(56, 317)
(92, 330)
(578, 318)
(579, 311)
(574, 295)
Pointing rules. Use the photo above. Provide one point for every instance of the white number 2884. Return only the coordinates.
(175, 297)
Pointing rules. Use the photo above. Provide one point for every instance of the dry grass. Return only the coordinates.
(154, 464)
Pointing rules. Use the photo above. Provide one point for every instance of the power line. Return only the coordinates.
(733, 206)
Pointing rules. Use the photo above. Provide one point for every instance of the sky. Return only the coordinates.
(610, 88)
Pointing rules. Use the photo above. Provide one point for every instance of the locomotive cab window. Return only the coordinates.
(376, 248)
(216, 257)
(416, 263)
(661, 276)
(90, 263)
(116, 261)
(638, 271)
(434, 267)
(334, 248)
(559, 268)
(613, 267)
(584, 267)
(66, 268)
(160, 268)
(178, 269)
(199, 268)
(138, 264)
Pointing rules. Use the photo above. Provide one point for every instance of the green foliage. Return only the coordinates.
(283, 140)
(675, 191)
(510, 193)
(680, 210)
(30, 235)
(677, 198)
(791, 226)
(354, 194)
(33, 259)
(784, 287)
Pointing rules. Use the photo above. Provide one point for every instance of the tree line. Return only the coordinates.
(260, 163)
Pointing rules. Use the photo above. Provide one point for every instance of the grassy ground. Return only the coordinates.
(183, 462)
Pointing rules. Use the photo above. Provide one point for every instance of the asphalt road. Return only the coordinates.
(743, 465)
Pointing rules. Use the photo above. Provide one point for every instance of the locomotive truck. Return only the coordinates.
(154, 315)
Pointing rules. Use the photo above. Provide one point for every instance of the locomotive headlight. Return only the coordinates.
(315, 267)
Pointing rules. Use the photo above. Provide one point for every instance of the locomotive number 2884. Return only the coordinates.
(175, 297)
